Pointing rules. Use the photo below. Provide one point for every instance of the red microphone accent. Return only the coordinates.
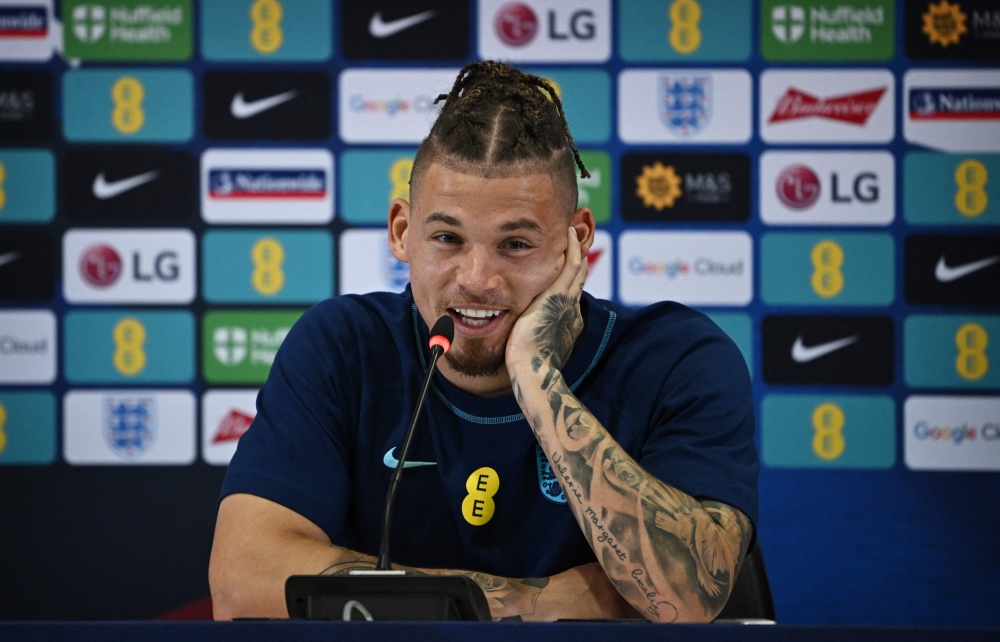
(439, 340)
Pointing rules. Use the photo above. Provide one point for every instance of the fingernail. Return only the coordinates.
(575, 235)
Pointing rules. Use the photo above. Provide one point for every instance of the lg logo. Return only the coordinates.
(516, 25)
(799, 188)
(101, 266)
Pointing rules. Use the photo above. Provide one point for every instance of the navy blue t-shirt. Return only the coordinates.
(665, 381)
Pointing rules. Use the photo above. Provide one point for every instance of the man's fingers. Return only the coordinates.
(571, 269)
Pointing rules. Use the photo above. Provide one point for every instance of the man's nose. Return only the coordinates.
(478, 270)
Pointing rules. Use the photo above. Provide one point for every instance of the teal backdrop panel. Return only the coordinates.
(828, 431)
(684, 30)
(267, 266)
(129, 104)
(126, 346)
(27, 428)
(951, 351)
(27, 186)
(262, 31)
(863, 275)
(369, 180)
(739, 327)
(586, 100)
(951, 189)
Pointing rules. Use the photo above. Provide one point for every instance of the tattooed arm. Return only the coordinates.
(259, 543)
(673, 557)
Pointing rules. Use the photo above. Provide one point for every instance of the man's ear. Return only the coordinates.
(583, 221)
(399, 225)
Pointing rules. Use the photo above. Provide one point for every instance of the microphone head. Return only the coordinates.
(442, 333)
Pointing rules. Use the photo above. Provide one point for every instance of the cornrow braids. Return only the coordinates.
(498, 121)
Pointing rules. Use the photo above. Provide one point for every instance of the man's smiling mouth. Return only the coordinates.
(475, 317)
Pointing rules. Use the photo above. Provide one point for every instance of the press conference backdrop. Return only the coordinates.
(179, 181)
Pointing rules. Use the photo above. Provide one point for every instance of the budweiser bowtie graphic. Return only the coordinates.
(853, 108)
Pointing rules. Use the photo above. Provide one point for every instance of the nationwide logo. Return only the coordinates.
(129, 425)
(23, 22)
(100, 265)
(954, 104)
(855, 108)
(232, 427)
(515, 24)
(258, 183)
(798, 187)
(685, 103)
(944, 23)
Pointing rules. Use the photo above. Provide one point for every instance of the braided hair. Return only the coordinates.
(498, 122)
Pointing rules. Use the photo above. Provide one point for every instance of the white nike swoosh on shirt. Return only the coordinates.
(378, 28)
(946, 274)
(803, 354)
(9, 257)
(241, 109)
(392, 462)
(105, 190)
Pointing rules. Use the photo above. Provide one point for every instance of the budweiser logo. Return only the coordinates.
(232, 427)
(852, 108)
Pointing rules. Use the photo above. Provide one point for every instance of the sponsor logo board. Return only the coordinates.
(25, 106)
(367, 265)
(370, 180)
(116, 347)
(390, 105)
(27, 428)
(127, 29)
(844, 268)
(267, 105)
(827, 188)
(739, 328)
(824, 30)
(267, 266)
(27, 31)
(829, 350)
(545, 30)
(586, 101)
(951, 189)
(955, 269)
(684, 30)
(279, 186)
(265, 31)
(129, 427)
(128, 186)
(128, 105)
(951, 433)
(827, 106)
(684, 106)
(962, 30)
(695, 268)
(951, 351)
(225, 417)
(685, 187)
(599, 260)
(595, 191)
(27, 347)
(954, 110)
(405, 30)
(238, 346)
(27, 186)
(129, 266)
(28, 259)
(828, 431)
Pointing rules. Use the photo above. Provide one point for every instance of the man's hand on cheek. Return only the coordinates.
(547, 330)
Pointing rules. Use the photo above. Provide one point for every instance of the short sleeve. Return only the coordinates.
(701, 440)
(296, 451)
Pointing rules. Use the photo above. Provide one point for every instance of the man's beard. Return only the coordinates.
(475, 359)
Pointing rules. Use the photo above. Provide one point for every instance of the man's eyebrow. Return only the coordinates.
(438, 217)
(521, 224)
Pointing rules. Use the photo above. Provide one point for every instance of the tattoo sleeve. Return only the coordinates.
(673, 557)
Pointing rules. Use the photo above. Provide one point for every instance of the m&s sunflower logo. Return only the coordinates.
(944, 23)
(658, 186)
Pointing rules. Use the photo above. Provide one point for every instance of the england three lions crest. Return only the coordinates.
(129, 425)
(547, 481)
(685, 103)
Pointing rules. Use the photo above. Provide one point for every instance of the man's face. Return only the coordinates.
(480, 250)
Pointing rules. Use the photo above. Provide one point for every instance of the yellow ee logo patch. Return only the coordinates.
(478, 506)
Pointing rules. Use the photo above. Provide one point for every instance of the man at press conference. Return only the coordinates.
(576, 458)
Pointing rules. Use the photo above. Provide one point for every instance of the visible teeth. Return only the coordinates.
(477, 314)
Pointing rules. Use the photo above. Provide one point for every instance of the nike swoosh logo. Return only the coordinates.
(241, 109)
(378, 28)
(392, 462)
(946, 274)
(105, 190)
(9, 257)
(803, 354)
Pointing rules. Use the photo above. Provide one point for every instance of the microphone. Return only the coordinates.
(441, 336)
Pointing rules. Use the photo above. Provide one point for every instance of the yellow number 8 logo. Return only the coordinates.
(3, 426)
(267, 255)
(127, 94)
(129, 336)
(266, 35)
(828, 440)
(971, 362)
(685, 36)
(478, 506)
(399, 177)
(827, 257)
(970, 177)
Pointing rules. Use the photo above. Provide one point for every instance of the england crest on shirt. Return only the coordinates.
(129, 424)
(685, 103)
(547, 481)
